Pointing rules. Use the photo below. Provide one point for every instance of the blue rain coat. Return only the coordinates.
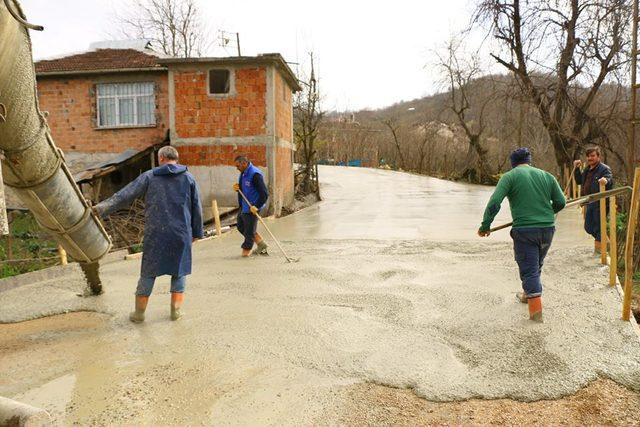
(173, 217)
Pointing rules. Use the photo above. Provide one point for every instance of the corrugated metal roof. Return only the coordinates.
(108, 166)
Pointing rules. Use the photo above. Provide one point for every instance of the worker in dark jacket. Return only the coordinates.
(251, 183)
(173, 220)
(534, 198)
(595, 173)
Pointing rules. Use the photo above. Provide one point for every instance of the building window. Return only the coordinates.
(219, 82)
(126, 104)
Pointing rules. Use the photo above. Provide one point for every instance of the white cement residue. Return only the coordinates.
(264, 341)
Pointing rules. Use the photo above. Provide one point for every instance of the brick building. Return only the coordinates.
(118, 97)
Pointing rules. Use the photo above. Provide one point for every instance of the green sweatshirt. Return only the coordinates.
(534, 197)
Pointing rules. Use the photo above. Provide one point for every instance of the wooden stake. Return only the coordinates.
(97, 185)
(579, 194)
(216, 216)
(613, 241)
(603, 227)
(576, 194)
(63, 255)
(628, 247)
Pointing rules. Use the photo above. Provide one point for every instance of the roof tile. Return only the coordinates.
(101, 59)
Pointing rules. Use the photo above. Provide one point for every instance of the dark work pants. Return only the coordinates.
(247, 225)
(530, 246)
(592, 220)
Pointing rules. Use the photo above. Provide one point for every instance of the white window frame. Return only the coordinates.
(117, 105)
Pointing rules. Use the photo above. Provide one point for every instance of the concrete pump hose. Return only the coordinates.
(14, 413)
(33, 166)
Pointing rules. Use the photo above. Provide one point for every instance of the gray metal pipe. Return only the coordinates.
(33, 166)
(14, 413)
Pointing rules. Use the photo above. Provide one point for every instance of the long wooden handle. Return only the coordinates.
(571, 178)
(267, 228)
(584, 200)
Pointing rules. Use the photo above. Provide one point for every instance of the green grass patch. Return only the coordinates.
(29, 244)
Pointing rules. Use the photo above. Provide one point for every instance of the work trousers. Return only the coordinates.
(592, 220)
(530, 246)
(247, 225)
(145, 285)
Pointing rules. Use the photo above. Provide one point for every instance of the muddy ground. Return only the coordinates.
(394, 304)
(600, 403)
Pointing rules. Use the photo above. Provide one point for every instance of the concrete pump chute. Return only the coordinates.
(33, 166)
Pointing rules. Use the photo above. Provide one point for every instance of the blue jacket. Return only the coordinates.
(601, 171)
(173, 217)
(252, 185)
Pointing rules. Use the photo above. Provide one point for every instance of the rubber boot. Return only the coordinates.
(137, 316)
(597, 247)
(535, 309)
(261, 249)
(176, 303)
(522, 297)
(246, 253)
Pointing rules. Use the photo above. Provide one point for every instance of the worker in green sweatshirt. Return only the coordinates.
(534, 198)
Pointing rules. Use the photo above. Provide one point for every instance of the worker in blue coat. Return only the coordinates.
(251, 183)
(590, 178)
(173, 221)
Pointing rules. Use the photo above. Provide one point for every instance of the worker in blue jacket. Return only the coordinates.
(590, 178)
(251, 183)
(173, 221)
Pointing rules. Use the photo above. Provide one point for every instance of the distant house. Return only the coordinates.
(122, 96)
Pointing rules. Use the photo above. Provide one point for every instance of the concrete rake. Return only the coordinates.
(288, 258)
(584, 200)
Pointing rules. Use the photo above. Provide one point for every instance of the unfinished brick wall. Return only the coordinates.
(213, 155)
(284, 175)
(283, 96)
(71, 103)
(198, 114)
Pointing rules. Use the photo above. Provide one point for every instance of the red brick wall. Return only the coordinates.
(71, 104)
(198, 114)
(212, 155)
(284, 125)
(284, 174)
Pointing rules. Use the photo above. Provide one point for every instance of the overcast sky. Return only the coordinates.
(370, 54)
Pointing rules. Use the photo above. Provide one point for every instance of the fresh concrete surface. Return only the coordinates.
(393, 287)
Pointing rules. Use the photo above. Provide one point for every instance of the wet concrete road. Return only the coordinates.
(379, 204)
(393, 287)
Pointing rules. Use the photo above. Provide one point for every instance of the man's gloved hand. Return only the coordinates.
(603, 180)
(254, 210)
(577, 163)
(483, 233)
(236, 187)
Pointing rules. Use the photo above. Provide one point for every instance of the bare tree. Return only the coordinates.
(175, 26)
(561, 52)
(394, 127)
(427, 135)
(308, 116)
(460, 72)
